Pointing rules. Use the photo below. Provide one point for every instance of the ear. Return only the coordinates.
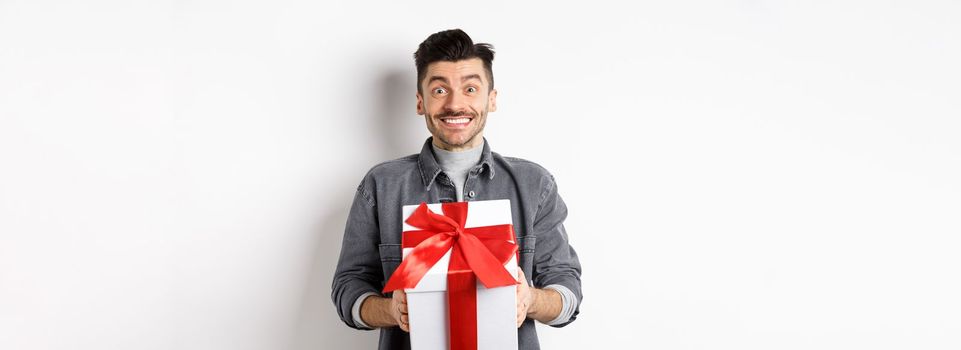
(492, 101)
(420, 104)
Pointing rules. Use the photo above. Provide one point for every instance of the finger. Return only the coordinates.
(401, 296)
(403, 308)
(404, 320)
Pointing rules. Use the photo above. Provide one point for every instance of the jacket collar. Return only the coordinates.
(429, 169)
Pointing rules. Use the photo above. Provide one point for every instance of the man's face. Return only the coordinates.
(455, 102)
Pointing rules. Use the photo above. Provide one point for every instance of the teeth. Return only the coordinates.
(457, 121)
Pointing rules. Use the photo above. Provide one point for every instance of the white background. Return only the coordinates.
(740, 175)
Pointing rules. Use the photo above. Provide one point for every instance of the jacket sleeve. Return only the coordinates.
(555, 261)
(358, 269)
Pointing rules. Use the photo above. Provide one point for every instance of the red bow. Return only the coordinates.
(476, 251)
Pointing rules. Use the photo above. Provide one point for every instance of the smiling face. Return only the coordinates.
(454, 99)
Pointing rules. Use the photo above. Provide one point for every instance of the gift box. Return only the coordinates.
(459, 272)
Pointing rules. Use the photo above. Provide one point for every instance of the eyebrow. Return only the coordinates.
(445, 81)
(471, 76)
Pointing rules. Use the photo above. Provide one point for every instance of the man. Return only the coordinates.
(455, 92)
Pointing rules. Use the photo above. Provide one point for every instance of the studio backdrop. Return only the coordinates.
(739, 174)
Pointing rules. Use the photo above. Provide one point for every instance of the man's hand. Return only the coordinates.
(398, 309)
(525, 297)
(540, 304)
(379, 312)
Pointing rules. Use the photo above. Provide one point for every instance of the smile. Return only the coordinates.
(456, 121)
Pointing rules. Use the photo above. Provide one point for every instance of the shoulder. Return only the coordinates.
(382, 174)
(528, 174)
(531, 176)
(393, 168)
(522, 166)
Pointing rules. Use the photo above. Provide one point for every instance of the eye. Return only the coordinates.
(471, 89)
(439, 91)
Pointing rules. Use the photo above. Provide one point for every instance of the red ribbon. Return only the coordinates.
(477, 252)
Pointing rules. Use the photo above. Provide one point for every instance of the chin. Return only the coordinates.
(453, 142)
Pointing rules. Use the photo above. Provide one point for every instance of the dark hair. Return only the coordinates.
(452, 45)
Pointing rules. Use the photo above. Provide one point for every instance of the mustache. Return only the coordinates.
(462, 113)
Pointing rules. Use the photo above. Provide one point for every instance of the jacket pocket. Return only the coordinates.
(390, 257)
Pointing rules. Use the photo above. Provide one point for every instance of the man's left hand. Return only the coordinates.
(525, 297)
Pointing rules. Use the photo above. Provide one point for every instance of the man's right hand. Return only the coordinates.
(377, 311)
(398, 309)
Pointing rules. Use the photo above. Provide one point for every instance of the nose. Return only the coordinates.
(455, 102)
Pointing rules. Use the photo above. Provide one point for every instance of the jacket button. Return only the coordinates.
(470, 194)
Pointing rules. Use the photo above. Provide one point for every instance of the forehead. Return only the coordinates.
(454, 71)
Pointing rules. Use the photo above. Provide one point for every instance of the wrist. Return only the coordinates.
(375, 311)
(535, 295)
(541, 304)
(534, 308)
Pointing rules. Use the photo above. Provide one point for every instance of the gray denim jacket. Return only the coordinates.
(371, 247)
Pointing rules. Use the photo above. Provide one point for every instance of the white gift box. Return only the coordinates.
(496, 307)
